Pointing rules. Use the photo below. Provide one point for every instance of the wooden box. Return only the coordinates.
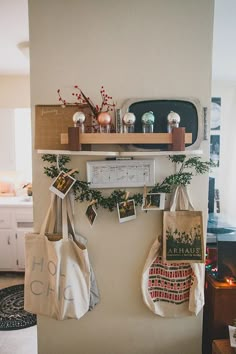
(222, 346)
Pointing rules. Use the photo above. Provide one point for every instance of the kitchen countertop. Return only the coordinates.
(218, 225)
(23, 201)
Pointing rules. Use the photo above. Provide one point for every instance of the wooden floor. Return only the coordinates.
(22, 341)
(9, 279)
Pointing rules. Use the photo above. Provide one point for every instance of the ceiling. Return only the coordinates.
(14, 30)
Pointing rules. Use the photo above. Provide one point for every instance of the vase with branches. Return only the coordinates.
(100, 112)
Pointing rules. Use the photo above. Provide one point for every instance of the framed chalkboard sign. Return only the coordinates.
(122, 173)
(189, 110)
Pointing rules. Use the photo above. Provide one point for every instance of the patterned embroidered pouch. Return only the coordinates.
(172, 289)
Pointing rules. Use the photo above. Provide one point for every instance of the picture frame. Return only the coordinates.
(215, 122)
(52, 122)
(91, 214)
(215, 149)
(62, 184)
(126, 210)
(120, 173)
(153, 201)
(189, 109)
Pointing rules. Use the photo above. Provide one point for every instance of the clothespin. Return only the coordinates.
(71, 172)
(126, 197)
(94, 201)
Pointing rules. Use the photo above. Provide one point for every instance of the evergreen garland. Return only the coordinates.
(188, 167)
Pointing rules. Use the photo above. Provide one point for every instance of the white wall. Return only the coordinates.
(224, 53)
(135, 49)
(23, 143)
(14, 91)
(7, 143)
(14, 94)
(227, 170)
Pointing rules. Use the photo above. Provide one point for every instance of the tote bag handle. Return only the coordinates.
(49, 221)
(70, 215)
(49, 216)
(64, 220)
(180, 199)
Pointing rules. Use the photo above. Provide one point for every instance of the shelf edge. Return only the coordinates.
(121, 153)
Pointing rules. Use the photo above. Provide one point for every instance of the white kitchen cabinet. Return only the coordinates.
(20, 247)
(7, 249)
(16, 219)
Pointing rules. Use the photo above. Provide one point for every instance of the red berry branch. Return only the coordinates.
(105, 106)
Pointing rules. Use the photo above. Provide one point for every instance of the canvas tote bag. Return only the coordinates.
(57, 271)
(183, 239)
(94, 292)
(172, 289)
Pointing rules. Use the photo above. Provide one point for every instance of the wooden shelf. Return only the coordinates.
(128, 139)
(121, 153)
(131, 138)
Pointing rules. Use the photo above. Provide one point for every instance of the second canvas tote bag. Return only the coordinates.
(183, 239)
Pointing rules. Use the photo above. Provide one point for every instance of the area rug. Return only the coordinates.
(12, 313)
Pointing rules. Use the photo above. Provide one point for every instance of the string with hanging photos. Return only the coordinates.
(188, 168)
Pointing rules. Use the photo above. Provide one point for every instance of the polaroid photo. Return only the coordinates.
(154, 201)
(91, 214)
(126, 210)
(62, 184)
